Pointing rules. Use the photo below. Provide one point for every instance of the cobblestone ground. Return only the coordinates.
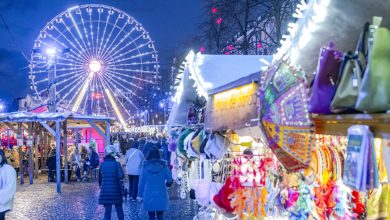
(79, 201)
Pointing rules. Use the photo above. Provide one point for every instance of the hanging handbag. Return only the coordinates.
(324, 85)
(374, 95)
(350, 75)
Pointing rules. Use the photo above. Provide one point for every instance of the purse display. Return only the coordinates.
(324, 84)
(350, 75)
(374, 94)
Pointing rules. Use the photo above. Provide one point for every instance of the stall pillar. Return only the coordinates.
(58, 155)
(37, 137)
(65, 141)
(21, 155)
(30, 153)
(107, 137)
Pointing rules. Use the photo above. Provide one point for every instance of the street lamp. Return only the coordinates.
(51, 53)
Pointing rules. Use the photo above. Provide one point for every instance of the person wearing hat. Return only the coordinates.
(110, 176)
(7, 185)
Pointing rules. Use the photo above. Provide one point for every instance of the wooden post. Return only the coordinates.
(30, 153)
(65, 141)
(21, 154)
(107, 141)
(58, 155)
(37, 138)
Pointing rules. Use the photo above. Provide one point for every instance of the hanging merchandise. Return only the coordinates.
(386, 158)
(216, 146)
(351, 73)
(374, 94)
(360, 167)
(180, 142)
(324, 85)
(284, 115)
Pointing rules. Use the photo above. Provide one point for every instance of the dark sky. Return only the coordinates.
(169, 22)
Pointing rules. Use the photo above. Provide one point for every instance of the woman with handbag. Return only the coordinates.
(154, 179)
(110, 182)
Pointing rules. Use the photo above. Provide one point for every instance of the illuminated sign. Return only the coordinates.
(233, 109)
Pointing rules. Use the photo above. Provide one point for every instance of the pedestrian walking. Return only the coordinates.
(7, 185)
(110, 176)
(154, 179)
(134, 159)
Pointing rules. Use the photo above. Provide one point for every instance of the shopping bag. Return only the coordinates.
(324, 85)
(350, 75)
(374, 94)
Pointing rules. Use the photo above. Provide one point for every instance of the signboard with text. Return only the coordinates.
(233, 109)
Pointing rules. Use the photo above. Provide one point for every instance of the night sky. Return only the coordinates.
(169, 23)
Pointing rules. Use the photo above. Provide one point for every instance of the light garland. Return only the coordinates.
(300, 32)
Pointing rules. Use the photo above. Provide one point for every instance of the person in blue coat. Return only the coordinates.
(110, 175)
(154, 179)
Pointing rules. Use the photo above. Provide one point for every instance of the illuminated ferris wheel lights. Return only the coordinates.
(95, 66)
(51, 51)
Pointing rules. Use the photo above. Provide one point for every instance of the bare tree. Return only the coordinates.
(245, 26)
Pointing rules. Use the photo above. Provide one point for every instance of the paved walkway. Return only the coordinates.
(79, 201)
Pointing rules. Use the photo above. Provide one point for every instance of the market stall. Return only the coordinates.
(41, 127)
(306, 160)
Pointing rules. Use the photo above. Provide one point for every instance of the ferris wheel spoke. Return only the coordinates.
(88, 46)
(71, 58)
(104, 33)
(140, 55)
(131, 70)
(114, 105)
(81, 49)
(74, 47)
(92, 35)
(79, 87)
(129, 76)
(82, 93)
(102, 92)
(129, 51)
(117, 80)
(97, 34)
(85, 48)
(113, 41)
(121, 41)
(123, 48)
(134, 63)
(62, 44)
(109, 36)
(75, 83)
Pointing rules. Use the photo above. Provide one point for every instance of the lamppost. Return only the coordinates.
(51, 54)
(162, 105)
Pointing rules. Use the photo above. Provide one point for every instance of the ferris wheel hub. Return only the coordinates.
(95, 66)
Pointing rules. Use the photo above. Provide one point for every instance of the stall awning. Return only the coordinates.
(47, 116)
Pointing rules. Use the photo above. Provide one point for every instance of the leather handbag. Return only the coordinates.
(350, 76)
(374, 95)
(324, 84)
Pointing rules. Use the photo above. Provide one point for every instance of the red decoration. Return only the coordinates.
(202, 49)
(97, 95)
(219, 21)
(230, 47)
(227, 53)
(259, 45)
(214, 10)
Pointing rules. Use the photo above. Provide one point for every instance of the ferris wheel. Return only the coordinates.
(104, 62)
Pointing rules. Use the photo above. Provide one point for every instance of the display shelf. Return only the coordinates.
(338, 124)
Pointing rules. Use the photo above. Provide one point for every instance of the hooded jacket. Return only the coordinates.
(154, 179)
(7, 187)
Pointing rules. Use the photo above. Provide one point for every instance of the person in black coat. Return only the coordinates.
(110, 175)
(51, 163)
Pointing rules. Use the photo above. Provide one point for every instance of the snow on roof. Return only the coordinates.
(203, 72)
(46, 116)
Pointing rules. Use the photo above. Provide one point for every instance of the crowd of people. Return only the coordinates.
(148, 173)
(144, 161)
